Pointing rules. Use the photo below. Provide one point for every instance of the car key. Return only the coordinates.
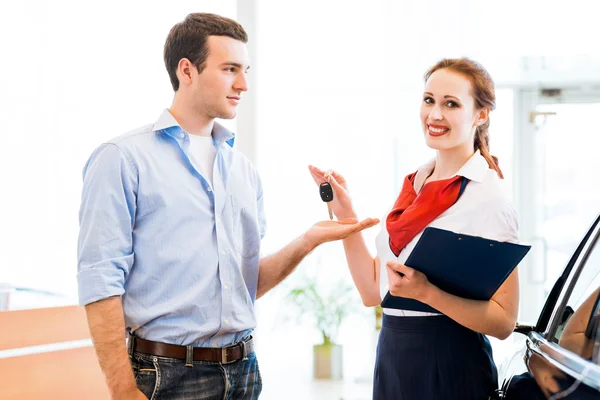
(326, 192)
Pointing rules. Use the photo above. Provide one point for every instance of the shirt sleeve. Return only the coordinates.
(260, 207)
(502, 222)
(106, 219)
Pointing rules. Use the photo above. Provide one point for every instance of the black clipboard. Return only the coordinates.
(467, 266)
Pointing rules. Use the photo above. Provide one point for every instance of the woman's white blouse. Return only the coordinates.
(482, 210)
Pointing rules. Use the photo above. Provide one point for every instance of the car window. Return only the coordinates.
(593, 330)
(573, 331)
(570, 320)
(562, 287)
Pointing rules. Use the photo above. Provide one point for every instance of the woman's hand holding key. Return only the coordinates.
(341, 203)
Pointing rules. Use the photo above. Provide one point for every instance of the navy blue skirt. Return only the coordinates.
(432, 358)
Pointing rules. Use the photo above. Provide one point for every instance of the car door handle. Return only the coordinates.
(524, 329)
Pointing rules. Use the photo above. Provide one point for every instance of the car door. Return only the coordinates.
(550, 362)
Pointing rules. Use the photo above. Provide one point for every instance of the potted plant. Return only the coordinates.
(327, 311)
(378, 317)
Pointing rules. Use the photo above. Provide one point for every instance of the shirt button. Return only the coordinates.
(223, 252)
(182, 135)
(226, 287)
(226, 322)
(209, 189)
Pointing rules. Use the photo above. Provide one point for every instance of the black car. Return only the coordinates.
(560, 357)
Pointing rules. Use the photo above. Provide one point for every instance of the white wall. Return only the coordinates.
(73, 74)
(337, 81)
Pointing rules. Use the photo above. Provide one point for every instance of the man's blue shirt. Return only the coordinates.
(183, 254)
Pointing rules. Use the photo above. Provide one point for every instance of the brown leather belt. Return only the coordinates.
(224, 355)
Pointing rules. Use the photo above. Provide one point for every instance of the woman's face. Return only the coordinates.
(448, 112)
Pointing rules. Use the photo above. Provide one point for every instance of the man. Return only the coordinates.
(171, 221)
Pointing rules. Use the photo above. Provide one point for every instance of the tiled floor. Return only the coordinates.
(304, 388)
(286, 359)
(286, 366)
(285, 356)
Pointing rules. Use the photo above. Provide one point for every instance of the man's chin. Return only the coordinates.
(227, 115)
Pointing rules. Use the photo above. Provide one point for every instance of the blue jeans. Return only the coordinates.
(169, 378)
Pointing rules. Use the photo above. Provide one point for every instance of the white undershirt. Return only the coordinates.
(204, 152)
(482, 210)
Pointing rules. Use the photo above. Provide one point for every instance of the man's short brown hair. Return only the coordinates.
(187, 39)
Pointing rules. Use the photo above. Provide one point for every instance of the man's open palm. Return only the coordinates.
(327, 231)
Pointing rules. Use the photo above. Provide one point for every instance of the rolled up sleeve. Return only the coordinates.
(106, 218)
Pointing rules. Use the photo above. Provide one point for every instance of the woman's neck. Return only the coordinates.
(449, 162)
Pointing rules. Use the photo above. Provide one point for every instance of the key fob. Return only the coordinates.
(326, 192)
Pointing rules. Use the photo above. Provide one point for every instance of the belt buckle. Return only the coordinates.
(242, 345)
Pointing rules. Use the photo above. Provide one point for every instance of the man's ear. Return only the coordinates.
(185, 71)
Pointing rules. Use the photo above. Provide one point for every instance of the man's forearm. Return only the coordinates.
(276, 267)
(107, 326)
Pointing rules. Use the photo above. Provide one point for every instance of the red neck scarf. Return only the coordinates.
(412, 212)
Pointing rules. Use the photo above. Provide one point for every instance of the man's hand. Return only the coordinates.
(140, 396)
(134, 394)
(328, 231)
(545, 375)
(275, 268)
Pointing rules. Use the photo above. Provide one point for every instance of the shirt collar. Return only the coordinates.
(474, 169)
(166, 120)
(169, 125)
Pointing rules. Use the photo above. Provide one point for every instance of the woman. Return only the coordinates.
(445, 355)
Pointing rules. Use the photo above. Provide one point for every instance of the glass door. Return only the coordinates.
(557, 183)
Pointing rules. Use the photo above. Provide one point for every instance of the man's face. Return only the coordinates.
(217, 90)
